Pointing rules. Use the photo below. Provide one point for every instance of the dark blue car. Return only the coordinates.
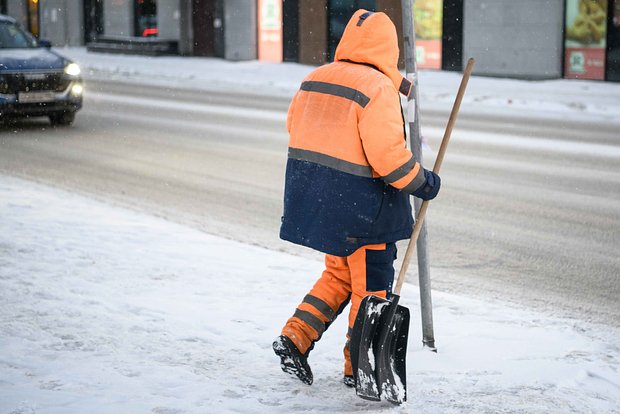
(34, 80)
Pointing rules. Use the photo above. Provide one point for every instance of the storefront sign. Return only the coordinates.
(270, 30)
(428, 30)
(586, 32)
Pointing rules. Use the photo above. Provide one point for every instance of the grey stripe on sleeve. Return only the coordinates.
(400, 172)
(416, 183)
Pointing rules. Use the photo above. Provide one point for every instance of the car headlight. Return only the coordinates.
(77, 90)
(72, 69)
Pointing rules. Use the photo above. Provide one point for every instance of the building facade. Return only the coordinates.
(527, 39)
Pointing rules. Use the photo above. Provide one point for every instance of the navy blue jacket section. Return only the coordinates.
(380, 268)
(337, 213)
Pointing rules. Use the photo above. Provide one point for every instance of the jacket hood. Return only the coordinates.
(371, 38)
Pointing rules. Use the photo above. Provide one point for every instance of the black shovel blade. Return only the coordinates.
(378, 348)
(362, 347)
(391, 359)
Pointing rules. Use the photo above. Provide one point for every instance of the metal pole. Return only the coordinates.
(413, 112)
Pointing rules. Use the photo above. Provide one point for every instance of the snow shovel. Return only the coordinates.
(378, 343)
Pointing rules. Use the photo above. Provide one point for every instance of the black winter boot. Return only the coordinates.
(292, 361)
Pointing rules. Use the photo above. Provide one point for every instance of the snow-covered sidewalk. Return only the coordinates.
(105, 310)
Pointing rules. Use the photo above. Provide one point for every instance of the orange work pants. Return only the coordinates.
(368, 270)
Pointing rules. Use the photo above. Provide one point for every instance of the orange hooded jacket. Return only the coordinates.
(349, 174)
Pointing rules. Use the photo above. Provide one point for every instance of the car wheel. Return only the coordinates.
(62, 119)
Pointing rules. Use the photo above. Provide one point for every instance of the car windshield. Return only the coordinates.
(14, 37)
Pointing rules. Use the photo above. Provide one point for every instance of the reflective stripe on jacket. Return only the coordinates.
(349, 174)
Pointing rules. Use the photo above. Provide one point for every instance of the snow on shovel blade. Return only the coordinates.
(361, 347)
(391, 359)
(378, 349)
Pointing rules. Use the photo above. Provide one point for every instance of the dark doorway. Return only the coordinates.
(613, 42)
(202, 23)
(93, 20)
(340, 11)
(208, 27)
(452, 37)
(3, 6)
(290, 30)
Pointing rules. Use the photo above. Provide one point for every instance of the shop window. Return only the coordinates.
(33, 17)
(146, 18)
(340, 11)
(428, 29)
(585, 39)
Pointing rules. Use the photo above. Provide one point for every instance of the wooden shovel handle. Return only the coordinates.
(442, 151)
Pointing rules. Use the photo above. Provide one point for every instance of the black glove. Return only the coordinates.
(430, 188)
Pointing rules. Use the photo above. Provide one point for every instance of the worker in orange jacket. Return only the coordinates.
(349, 178)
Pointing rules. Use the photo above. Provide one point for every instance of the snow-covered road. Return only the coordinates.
(104, 310)
(529, 212)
